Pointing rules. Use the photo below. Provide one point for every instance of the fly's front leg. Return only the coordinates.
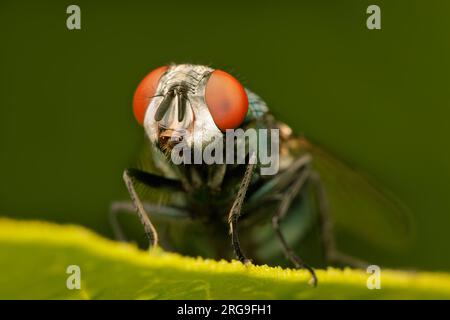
(285, 203)
(326, 229)
(150, 230)
(235, 211)
(132, 175)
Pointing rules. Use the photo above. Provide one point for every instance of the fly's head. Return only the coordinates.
(188, 103)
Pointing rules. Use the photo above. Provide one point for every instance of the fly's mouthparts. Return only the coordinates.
(167, 142)
(170, 137)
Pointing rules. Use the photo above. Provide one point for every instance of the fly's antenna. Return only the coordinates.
(181, 105)
(180, 91)
(164, 105)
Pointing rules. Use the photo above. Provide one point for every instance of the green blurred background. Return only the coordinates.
(378, 99)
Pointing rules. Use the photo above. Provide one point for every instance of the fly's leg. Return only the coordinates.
(150, 230)
(235, 211)
(128, 207)
(285, 203)
(130, 176)
(332, 254)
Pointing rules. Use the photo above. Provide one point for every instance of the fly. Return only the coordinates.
(180, 103)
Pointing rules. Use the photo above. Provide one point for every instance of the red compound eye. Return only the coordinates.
(145, 91)
(226, 100)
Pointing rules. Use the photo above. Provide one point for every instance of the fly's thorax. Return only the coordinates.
(181, 87)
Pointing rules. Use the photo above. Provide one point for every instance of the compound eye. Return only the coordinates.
(145, 91)
(226, 99)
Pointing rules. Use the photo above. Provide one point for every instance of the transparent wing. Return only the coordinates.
(358, 205)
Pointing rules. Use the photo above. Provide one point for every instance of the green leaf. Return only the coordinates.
(34, 257)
